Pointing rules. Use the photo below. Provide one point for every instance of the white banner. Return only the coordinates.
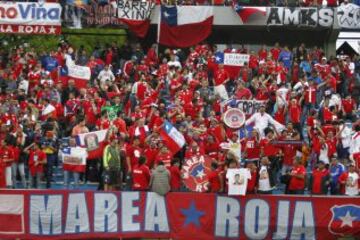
(134, 10)
(30, 13)
(349, 16)
(235, 59)
(79, 72)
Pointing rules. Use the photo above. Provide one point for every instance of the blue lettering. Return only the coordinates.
(24, 12)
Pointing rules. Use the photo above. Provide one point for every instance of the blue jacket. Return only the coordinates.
(335, 172)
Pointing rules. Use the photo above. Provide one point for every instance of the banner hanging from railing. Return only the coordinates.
(41, 214)
(30, 18)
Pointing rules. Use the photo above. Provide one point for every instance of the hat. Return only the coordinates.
(323, 58)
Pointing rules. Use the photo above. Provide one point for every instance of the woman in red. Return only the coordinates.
(37, 159)
(140, 175)
(215, 180)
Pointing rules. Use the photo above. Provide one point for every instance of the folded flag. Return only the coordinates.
(93, 142)
(246, 12)
(74, 159)
(173, 139)
(136, 15)
(184, 26)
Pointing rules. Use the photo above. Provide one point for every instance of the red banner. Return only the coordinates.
(41, 214)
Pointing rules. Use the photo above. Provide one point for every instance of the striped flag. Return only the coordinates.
(172, 137)
(74, 159)
(12, 214)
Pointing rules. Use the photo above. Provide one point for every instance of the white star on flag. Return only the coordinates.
(200, 174)
(52, 29)
(218, 59)
(347, 220)
(166, 14)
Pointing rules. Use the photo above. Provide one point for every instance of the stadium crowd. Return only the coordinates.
(307, 98)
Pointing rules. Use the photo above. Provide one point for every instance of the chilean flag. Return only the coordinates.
(233, 71)
(345, 220)
(172, 137)
(184, 26)
(74, 159)
(246, 12)
(93, 142)
(80, 74)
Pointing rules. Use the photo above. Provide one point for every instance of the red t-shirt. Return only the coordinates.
(214, 181)
(220, 77)
(140, 177)
(317, 176)
(252, 182)
(175, 178)
(36, 156)
(297, 183)
(348, 105)
(6, 153)
(133, 153)
(294, 113)
(165, 158)
(252, 148)
(269, 149)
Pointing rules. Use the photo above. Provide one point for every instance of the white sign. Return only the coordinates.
(235, 59)
(349, 15)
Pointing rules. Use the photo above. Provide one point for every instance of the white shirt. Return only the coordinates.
(106, 75)
(281, 95)
(346, 137)
(238, 180)
(352, 185)
(355, 143)
(174, 64)
(264, 181)
(24, 85)
(324, 153)
(235, 148)
(262, 121)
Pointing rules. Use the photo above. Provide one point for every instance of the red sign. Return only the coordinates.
(194, 172)
(42, 214)
(30, 29)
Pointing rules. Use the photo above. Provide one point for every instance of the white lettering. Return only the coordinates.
(77, 217)
(257, 213)
(227, 217)
(129, 211)
(105, 211)
(303, 222)
(282, 222)
(156, 219)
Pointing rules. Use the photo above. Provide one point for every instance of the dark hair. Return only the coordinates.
(161, 163)
(214, 165)
(142, 160)
(175, 161)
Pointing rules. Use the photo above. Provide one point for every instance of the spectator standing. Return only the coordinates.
(37, 161)
(265, 178)
(112, 165)
(350, 181)
(215, 179)
(297, 178)
(160, 179)
(141, 175)
(320, 179)
(336, 170)
(175, 174)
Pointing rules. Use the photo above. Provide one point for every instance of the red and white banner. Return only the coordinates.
(136, 15)
(94, 142)
(60, 214)
(173, 139)
(249, 107)
(30, 18)
(80, 74)
(74, 159)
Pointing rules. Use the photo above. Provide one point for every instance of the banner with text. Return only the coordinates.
(249, 107)
(30, 18)
(41, 214)
(235, 59)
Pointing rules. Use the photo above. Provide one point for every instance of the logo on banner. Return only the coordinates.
(195, 170)
(234, 118)
(134, 10)
(345, 220)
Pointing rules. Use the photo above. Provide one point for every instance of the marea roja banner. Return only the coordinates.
(41, 214)
(195, 171)
(30, 18)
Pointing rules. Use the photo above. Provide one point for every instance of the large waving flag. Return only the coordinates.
(184, 26)
(173, 139)
(74, 159)
(246, 12)
(93, 142)
(136, 15)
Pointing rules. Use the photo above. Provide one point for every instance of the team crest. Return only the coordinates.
(345, 220)
(194, 171)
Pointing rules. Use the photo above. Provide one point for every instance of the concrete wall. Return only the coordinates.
(228, 28)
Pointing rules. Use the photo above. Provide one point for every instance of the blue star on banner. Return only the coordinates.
(192, 215)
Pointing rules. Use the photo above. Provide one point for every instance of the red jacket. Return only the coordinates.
(140, 177)
(175, 178)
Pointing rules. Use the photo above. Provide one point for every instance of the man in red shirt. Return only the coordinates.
(297, 178)
(215, 180)
(37, 160)
(348, 107)
(140, 175)
(164, 156)
(319, 182)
